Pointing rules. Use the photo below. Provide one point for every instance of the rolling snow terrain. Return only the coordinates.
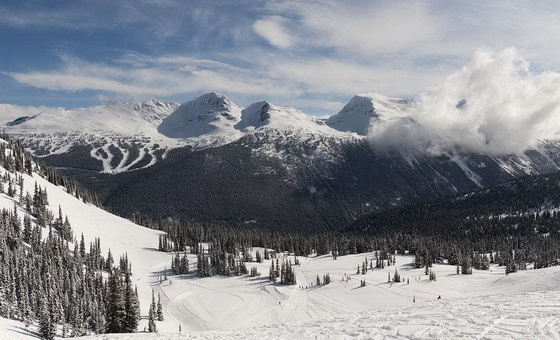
(486, 305)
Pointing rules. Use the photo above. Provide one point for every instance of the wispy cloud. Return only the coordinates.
(310, 52)
(272, 29)
(153, 77)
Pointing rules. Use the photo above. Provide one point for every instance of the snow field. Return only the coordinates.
(239, 302)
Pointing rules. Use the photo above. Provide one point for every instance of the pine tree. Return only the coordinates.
(47, 327)
(27, 229)
(396, 276)
(116, 309)
(132, 306)
(109, 262)
(152, 315)
(271, 272)
(159, 310)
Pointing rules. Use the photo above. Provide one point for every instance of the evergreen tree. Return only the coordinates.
(132, 306)
(116, 306)
(159, 310)
(152, 315)
(47, 326)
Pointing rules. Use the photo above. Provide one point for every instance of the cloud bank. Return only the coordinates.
(494, 105)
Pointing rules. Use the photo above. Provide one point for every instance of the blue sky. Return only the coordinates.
(313, 55)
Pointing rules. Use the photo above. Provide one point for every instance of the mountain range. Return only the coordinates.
(210, 160)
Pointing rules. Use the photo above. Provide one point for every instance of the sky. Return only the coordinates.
(313, 55)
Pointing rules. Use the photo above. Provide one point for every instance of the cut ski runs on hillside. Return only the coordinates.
(125, 136)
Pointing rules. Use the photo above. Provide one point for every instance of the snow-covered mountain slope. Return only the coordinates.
(119, 235)
(207, 118)
(264, 114)
(119, 136)
(363, 110)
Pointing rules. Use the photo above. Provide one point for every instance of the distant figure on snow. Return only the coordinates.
(439, 297)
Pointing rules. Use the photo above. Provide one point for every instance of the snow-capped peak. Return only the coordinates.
(211, 114)
(267, 115)
(364, 109)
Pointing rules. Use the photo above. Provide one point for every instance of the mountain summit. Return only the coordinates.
(365, 109)
(211, 114)
(264, 114)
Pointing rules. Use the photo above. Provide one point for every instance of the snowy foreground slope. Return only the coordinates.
(507, 316)
(116, 233)
(523, 316)
(485, 305)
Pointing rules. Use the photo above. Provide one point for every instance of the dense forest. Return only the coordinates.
(70, 292)
(513, 224)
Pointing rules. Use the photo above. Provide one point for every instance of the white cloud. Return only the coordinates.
(272, 29)
(330, 76)
(325, 50)
(494, 105)
(155, 77)
(76, 82)
(374, 27)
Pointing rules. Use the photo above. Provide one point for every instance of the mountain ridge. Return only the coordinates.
(270, 164)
